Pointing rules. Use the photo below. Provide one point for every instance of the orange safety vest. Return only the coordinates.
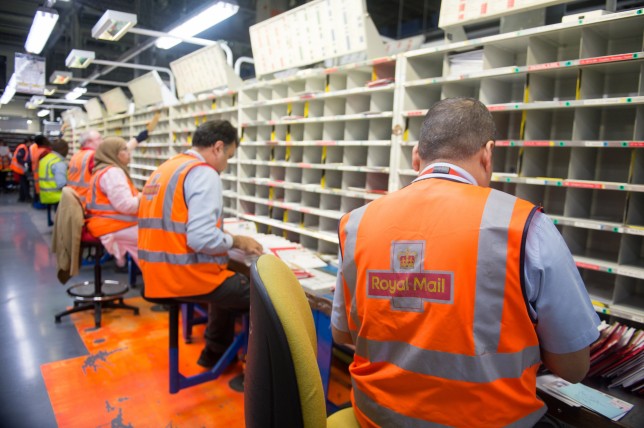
(79, 174)
(5, 163)
(16, 165)
(170, 268)
(432, 278)
(102, 217)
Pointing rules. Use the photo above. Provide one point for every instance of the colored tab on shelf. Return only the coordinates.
(607, 58)
(590, 266)
(538, 143)
(583, 184)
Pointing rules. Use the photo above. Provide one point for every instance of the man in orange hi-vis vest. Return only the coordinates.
(81, 164)
(20, 167)
(183, 249)
(454, 293)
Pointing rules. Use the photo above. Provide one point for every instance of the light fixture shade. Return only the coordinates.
(209, 17)
(113, 25)
(41, 27)
(75, 93)
(43, 113)
(37, 99)
(60, 77)
(9, 90)
(79, 59)
(50, 90)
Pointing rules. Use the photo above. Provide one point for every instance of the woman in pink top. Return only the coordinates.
(112, 195)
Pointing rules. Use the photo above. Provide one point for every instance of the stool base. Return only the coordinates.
(87, 299)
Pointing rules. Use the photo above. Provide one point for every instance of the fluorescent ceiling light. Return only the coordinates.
(74, 94)
(30, 106)
(50, 90)
(210, 17)
(113, 25)
(9, 90)
(41, 28)
(43, 113)
(60, 77)
(79, 59)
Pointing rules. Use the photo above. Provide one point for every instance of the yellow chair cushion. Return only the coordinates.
(344, 418)
(294, 312)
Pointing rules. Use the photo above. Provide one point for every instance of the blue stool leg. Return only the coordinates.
(175, 376)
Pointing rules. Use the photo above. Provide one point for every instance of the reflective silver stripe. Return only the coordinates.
(99, 207)
(384, 416)
(529, 420)
(119, 217)
(491, 271)
(91, 205)
(158, 224)
(166, 222)
(180, 259)
(78, 183)
(481, 369)
(349, 269)
(82, 181)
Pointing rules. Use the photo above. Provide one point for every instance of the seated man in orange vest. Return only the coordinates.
(81, 163)
(182, 245)
(453, 293)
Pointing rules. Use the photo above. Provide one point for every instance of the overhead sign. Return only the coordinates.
(462, 12)
(203, 70)
(310, 33)
(29, 71)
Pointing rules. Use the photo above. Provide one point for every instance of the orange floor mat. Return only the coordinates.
(123, 382)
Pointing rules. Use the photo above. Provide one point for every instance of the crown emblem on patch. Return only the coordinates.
(407, 259)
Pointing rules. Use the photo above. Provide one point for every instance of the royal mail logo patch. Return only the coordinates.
(428, 285)
(407, 284)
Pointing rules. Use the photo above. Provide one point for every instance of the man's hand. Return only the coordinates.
(247, 245)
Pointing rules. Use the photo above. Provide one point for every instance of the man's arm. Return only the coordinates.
(341, 337)
(339, 322)
(203, 195)
(558, 300)
(572, 366)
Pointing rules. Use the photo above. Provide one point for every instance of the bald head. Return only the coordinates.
(91, 139)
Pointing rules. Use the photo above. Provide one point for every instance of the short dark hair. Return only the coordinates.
(455, 129)
(42, 141)
(60, 146)
(215, 130)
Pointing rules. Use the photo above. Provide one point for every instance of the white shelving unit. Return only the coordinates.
(568, 100)
(313, 146)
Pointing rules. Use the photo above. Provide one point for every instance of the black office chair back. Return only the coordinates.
(271, 393)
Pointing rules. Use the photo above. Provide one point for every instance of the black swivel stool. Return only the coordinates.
(98, 294)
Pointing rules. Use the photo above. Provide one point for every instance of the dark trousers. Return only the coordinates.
(3, 180)
(23, 188)
(232, 296)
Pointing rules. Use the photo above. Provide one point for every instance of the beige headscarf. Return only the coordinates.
(107, 155)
